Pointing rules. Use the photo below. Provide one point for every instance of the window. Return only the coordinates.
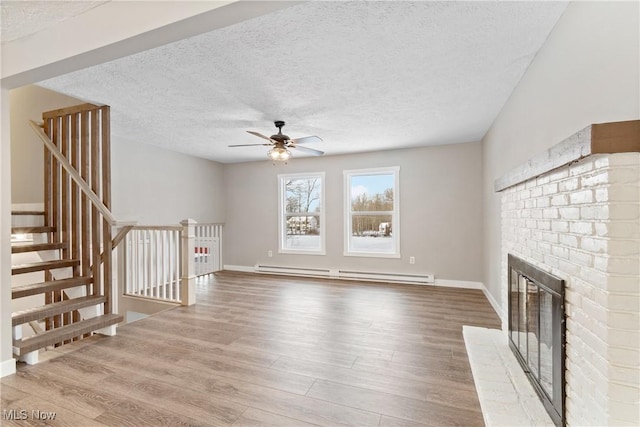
(301, 216)
(372, 226)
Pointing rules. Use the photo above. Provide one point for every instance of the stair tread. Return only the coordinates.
(27, 212)
(37, 247)
(52, 285)
(44, 265)
(48, 310)
(63, 333)
(32, 229)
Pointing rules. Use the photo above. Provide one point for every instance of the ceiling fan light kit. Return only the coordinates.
(278, 154)
(281, 143)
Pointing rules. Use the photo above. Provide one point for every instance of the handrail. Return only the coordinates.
(158, 227)
(84, 187)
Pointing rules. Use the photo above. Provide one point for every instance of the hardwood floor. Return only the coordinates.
(269, 350)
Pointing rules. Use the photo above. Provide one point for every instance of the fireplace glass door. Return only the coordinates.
(536, 331)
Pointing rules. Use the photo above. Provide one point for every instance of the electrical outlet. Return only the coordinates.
(269, 254)
(412, 260)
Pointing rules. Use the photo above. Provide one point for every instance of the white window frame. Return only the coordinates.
(282, 214)
(395, 214)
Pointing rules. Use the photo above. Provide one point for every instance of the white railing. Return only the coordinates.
(153, 262)
(208, 248)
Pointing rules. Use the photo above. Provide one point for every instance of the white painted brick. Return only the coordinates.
(624, 211)
(581, 227)
(560, 200)
(558, 174)
(618, 193)
(624, 159)
(601, 161)
(541, 180)
(543, 202)
(594, 212)
(581, 197)
(596, 278)
(601, 262)
(560, 251)
(543, 225)
(551, 261)
(594, 311)
(624, 320)
(622, 375)
(594, 245)
(624, 266)
(536, 192)
(624, 393)
(623, 338)
(581, 167)
(618, 229)
(571, 184)
(623, 284)
(568, 240)
(598, 179)
(620, 247)
(569, 213)
(625, 411)
(551, 188)
(550, 237)
(625, 175)
(560, 226)
(550, 213)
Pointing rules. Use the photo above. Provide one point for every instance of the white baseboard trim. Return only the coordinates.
(458, 284)
(27, 206)
(7, 367)
(496, 306)
(241, 268)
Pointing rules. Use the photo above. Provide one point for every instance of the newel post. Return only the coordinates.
(188, 282)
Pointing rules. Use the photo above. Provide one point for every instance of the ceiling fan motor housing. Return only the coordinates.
(280, 136)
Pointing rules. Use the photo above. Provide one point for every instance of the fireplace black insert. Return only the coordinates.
(537, 331)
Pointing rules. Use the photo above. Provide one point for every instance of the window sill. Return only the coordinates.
(371, 255)
(293, 252)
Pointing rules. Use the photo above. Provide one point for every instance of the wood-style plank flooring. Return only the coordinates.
(270, 350)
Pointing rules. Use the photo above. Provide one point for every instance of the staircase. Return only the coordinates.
(61, 255)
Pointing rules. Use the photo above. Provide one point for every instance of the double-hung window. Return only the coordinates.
(301, 218)
(372, 220)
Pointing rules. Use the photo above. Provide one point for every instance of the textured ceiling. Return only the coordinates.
(363, 76)
(23, 18)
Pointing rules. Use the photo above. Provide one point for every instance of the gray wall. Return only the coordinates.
(440, 211)
(150, 185)
(28, 103)
(586, 72)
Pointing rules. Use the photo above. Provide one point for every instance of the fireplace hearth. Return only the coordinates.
(537, 331)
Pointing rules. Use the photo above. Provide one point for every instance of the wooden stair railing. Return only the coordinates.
(78, 228)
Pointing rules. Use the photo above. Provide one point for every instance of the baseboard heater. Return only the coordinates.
(299, 271)
(386, 277)
(347, 274)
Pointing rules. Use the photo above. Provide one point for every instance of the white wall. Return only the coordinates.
(440, 211)
(586, 72)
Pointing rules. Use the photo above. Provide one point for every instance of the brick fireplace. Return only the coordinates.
(574, 212)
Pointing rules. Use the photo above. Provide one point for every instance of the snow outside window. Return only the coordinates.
(372, 226)
(301, 228)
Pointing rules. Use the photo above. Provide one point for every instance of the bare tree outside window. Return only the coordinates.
(302, 212)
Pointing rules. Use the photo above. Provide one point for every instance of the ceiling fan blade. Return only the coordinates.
(248, 145)
(308, 150)
(306, 140)
(259, 135)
